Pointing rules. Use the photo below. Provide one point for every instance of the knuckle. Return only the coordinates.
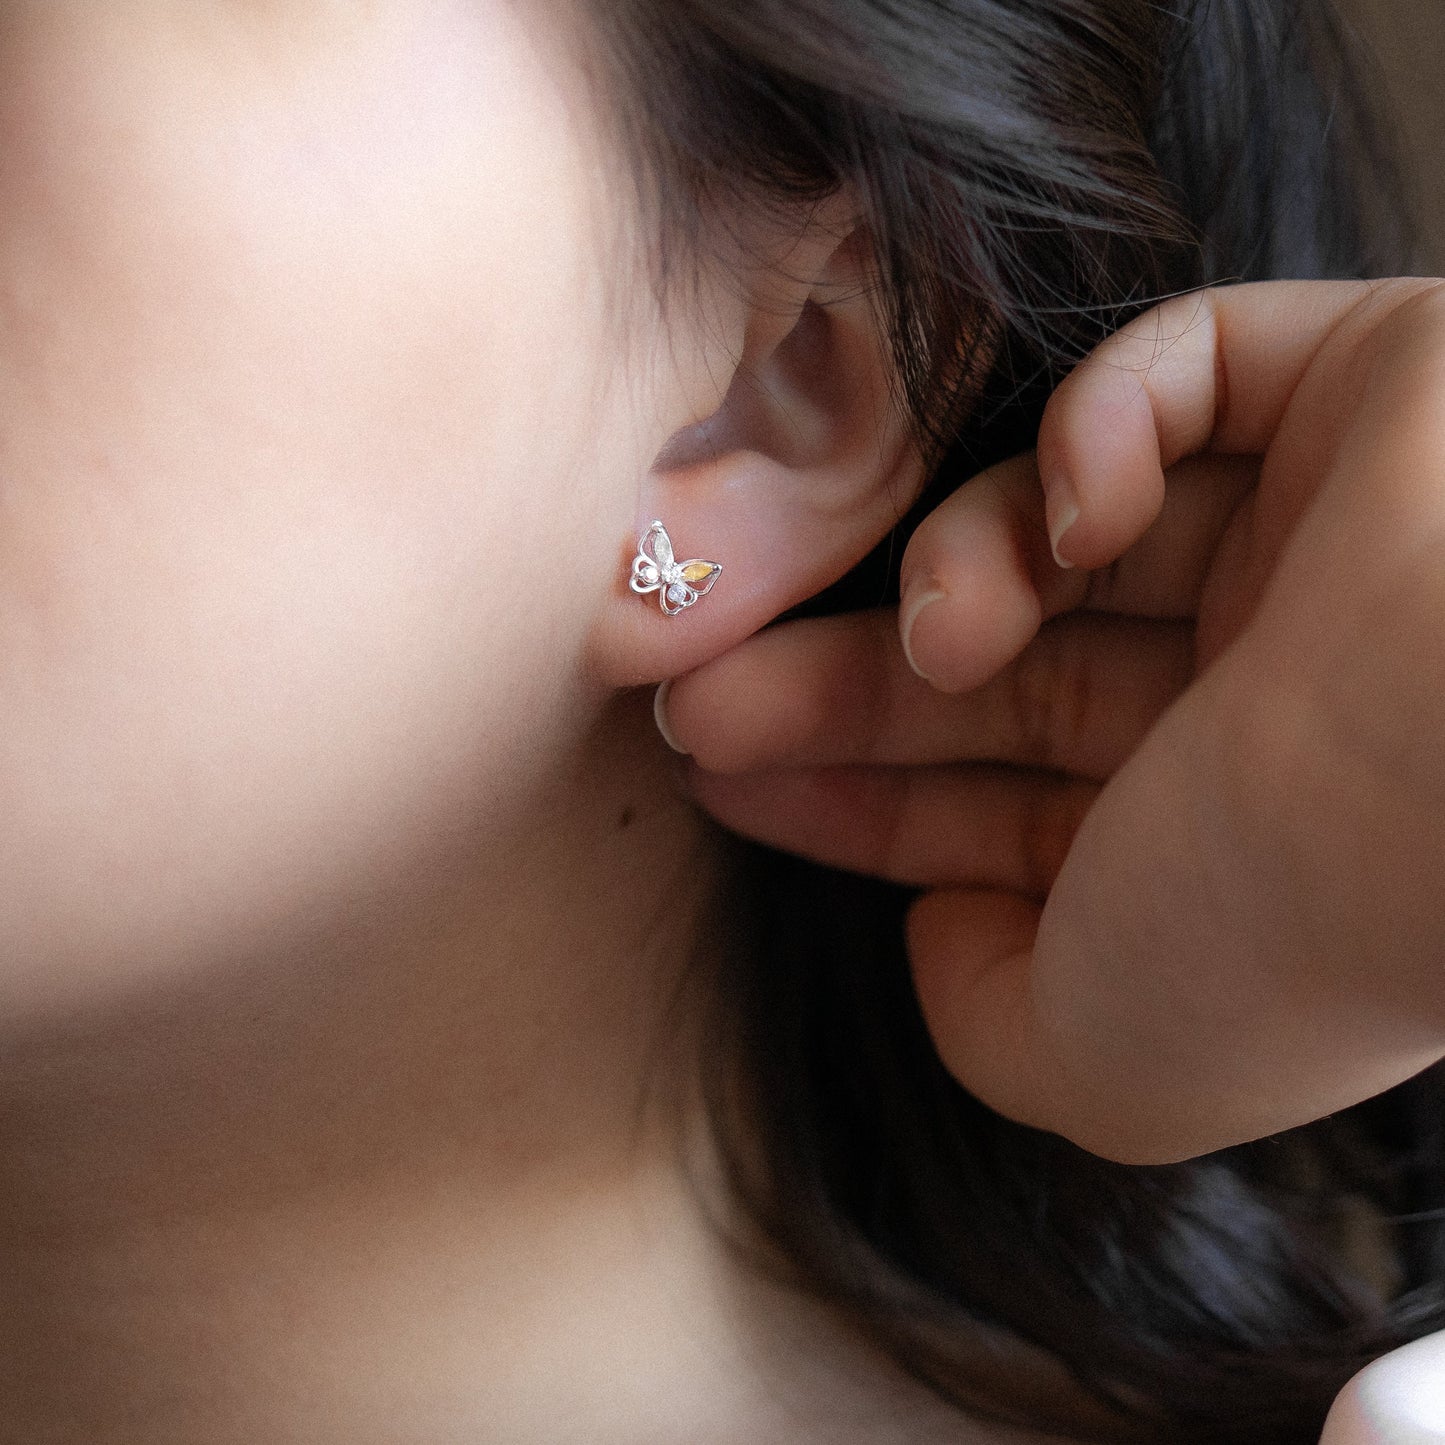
(1408, 344)
(1144, 340)
(1030, 680)
(1368, 334)
(1051, 691)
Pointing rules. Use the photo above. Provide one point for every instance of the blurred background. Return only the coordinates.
(1408, 39)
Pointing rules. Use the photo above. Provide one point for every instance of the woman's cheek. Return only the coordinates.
(291, 388)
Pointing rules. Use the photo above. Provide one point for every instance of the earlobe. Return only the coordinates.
(803, 467)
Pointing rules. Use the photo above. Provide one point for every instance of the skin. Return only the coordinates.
(1202, 904)
(347, 880)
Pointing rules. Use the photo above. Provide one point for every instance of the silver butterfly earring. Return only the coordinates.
(677, 584)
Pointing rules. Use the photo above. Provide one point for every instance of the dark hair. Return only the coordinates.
(1033, 173)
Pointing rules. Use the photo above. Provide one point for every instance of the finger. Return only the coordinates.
(983, 558)
(922, 827)
(1180, 994)
(833, 690)
(1078, 699)
(1213, 369)
(1211, 1074)
(976, 578)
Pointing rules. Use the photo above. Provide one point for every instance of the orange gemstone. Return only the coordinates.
(697, 571)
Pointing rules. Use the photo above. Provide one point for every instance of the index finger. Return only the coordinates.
(1213, 370)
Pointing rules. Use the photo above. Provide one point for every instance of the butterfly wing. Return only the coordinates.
(645, 576)
(675, 596)
(694, 579)
(652, 560)
(699, 575)
(657, 547)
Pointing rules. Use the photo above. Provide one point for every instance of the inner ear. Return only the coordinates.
(804, 403)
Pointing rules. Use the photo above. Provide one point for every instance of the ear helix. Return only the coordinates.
(678, 584)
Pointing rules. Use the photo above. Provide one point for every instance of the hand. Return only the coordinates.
(1181, 821)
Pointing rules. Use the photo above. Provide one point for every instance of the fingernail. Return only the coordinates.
(1068, 514)
(659, 713)
(913, 604)
(1061, 506)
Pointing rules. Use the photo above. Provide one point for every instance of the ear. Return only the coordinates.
(803, 467)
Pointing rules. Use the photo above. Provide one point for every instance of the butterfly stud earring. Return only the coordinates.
(677, 584)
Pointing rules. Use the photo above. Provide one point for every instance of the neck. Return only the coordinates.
(493, 1029)
(437, 1176)
(365, 1132)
